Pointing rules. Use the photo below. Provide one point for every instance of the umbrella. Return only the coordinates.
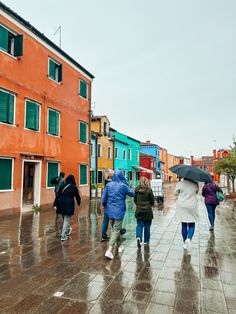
(191, 173)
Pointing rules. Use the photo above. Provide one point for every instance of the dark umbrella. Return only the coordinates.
(191, 173)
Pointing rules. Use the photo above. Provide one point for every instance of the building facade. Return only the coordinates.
(172, 161)
(105, 147)
(148, 166)
(93, 158)
(164, 164)
(152, 150)
(44, 115)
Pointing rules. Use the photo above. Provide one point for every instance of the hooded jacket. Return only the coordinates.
(144, 200)
(114, 196)
(209, 192)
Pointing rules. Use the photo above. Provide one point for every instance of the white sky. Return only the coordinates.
(164, 70)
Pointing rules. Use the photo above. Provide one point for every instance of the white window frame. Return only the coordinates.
(12, 45)
(86, 89)
(86, 172)
(137, 155)
(12, 174)
(100, 150)
(116, 152)
(59, 126)
(14, 118)
(98, 176)
(57, 72)
(130, 153)
(109, 150)
(86, 132)
(25, 128)
(55, 162)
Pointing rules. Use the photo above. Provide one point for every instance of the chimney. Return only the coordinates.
(191, 160)
(148, 141)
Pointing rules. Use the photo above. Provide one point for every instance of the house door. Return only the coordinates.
(28, 183)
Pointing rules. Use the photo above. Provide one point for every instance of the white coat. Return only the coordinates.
(187, 202)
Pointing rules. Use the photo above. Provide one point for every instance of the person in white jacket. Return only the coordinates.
(187, 209)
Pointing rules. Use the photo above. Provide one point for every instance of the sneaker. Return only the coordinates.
(146, 243)
(211, 228)
(121, 248)
(188, 244)
(64, 238)
(139, 243)
(69, 231)
(105, 238)
(184, 247)
(109, 254)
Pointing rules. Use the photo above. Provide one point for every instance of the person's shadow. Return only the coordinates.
(210, 260)
(187, 287)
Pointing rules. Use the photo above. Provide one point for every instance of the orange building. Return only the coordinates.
(172, 161)
(105, 149)
(44, 115)
(164, 161)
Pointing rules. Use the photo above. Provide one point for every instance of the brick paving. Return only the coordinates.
(161, 278)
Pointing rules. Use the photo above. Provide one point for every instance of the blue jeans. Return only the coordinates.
(105, 223)
(188, 230)
(211, 213)
(66, 225)
(146, 224)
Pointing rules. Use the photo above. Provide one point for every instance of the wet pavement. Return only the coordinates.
(39, 274)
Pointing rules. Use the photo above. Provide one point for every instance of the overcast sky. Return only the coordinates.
(164, 70)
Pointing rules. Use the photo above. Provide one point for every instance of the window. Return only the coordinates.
(83, 87)
(83, 132)
(137, 155)
(53, 171)
(100, 176)
(130, 175)
(7, 107)
(130, 154)
(124, 154)
(105, 128)
(83, 177)
(109, 153)
(99, 150)
(54, 70)
(93, 177)
(116, 152)
(92, 148)
(6, 170)
(137, 175)
(11, 43)
(53, 122)
(32, 115)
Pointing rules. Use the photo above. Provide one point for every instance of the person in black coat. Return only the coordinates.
(66, 204)
(144, 200)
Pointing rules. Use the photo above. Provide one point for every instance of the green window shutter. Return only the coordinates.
(3, 106)
(83, 174)
(83, 132)
(32, 116)
(18, 45)
(6, 172)
(57, 122)
(52, 69)
(53, 122)
(83, 89)
(3, 38)
(52, 172)
(60, 73)
(10, 113)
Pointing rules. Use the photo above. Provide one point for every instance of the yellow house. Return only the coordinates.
(105, 147)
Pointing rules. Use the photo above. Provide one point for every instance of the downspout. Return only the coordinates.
(90, 135)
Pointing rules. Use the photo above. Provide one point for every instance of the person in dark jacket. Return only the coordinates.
(209, 192)
(66, 204)
(57, 182)
(144, 200)
(113, 199)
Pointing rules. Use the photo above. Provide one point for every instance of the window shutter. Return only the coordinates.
(6, 172)
(3, 106)
(18, 46)
(83, 132)
(52, 122)
(57, 122)
(60, 73)
(10, 109)
(36, 117)
(83, 89)
(83, 174)
(52, 172)
(32, 116)
(52, 69)
(3, 38)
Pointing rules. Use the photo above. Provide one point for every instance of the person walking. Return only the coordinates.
(66, 204)
(209, 192)
(144, 200)
(57, 182)
(187, 209)
(113, 199)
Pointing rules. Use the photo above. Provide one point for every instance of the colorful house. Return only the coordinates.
(93, 157)
(172, 161)
(148, 166)
(126, 156)
(44, 115)
(105, 147)
(164, 164)
(152, 150)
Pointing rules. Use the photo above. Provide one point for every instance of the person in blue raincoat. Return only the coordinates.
(113, 199)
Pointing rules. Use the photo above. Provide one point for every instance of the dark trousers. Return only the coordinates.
(146, 225)
(211, 213)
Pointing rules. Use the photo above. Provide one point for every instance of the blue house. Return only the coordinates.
(152, 150)
(93, 158)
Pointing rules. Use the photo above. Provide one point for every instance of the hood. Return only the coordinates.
(118, 176)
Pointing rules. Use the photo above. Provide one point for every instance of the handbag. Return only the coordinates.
(220, 196)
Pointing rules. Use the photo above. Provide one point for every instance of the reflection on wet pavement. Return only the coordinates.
(39, 274)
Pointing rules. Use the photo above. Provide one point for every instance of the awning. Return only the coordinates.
(143, 169)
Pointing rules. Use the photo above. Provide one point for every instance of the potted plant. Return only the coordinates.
(94, 189)
(36, 208)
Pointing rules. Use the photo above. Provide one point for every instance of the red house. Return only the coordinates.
(148, 166)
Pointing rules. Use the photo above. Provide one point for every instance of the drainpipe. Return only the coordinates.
(90, 122)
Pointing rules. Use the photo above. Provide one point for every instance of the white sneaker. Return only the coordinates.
(109, 254)
(121, 248)
(69, 231)
(184, 247)
(188, 244)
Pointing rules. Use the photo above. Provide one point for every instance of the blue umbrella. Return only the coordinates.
(191, 173)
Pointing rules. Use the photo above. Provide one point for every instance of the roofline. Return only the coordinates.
(30, 27)
(95, 118)
(149, 144)
(146, 155)
(131, 138)
(116, 140)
